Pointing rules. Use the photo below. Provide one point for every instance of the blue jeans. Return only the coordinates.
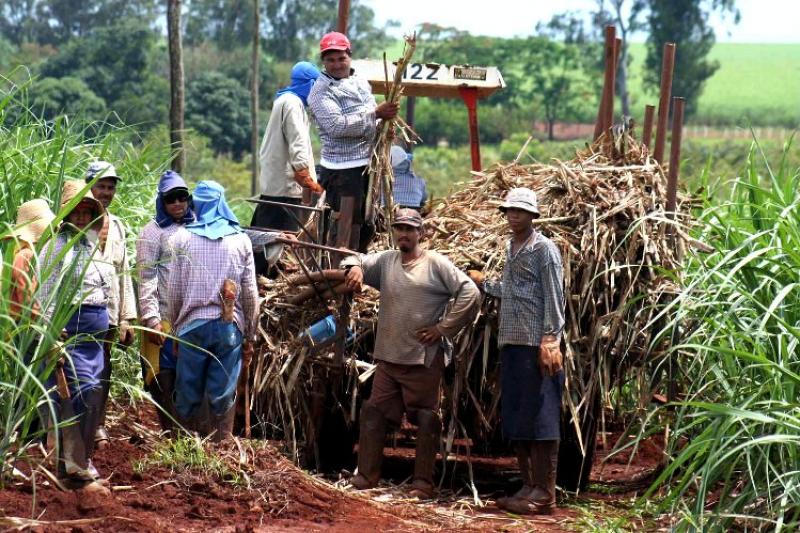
(209, 362)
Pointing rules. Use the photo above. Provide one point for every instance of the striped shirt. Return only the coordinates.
(414, 296)
(531, 292)
(81, 270)
(153, 263)
(344, 111)
(199, 267)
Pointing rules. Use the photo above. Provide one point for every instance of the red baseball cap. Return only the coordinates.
(334, 41)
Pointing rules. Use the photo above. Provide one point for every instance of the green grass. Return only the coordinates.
(188, 453)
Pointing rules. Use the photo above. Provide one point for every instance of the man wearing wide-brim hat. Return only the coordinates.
(412, 345)
(122, 305)
(531, 321)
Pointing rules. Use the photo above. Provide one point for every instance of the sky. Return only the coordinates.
(762, 21)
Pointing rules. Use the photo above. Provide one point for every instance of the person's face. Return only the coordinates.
(80, 217)
(406, 237)
(176, 203)
(519, 220)
(337, 63)
(104, 190)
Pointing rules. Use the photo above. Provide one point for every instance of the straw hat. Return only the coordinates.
(72, 188)
(33, 218)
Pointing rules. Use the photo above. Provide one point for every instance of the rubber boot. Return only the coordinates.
(545, 463)
(162, 390)
(90, 402)
(523, 449)
(101, 439)
(372, 434)
(428, 441)
(223, 424)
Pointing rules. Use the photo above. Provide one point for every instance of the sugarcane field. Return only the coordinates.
(348, 265)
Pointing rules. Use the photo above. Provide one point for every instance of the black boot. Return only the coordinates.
(372, 434)
(428, 442)
(545, 462)
(162, 389)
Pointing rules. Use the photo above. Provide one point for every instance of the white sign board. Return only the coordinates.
(431, 79)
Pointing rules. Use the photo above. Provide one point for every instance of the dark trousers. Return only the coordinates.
(406, 388)
(273, 217)
(353, 182)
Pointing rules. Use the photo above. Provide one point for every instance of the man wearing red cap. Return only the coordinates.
(346, 113)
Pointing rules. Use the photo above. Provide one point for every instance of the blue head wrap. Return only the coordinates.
(171, 180)
(304, 74)
(214, 218)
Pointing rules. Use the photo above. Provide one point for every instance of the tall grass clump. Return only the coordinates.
(36, 156)
(735, 447)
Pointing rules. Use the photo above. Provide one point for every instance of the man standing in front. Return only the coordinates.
(532, 379)
(346, 114)
(122, 301)
(213, 308)
(287, 160)
(415, 326)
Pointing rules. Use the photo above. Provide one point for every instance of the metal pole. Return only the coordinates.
(470, 97)
(610, 40)
(647, 132)
(667, 67)
(344, 15)
(254, 98)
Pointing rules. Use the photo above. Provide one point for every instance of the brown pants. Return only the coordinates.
(406, 388)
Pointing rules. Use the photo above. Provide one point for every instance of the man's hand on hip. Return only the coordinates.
(429, 335)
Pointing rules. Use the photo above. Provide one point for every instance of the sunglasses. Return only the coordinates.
(173, 198)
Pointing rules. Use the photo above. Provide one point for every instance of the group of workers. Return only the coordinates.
(198, 300)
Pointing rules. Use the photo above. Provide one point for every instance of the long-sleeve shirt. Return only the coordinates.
(414, 296)
(344, 111)
(81, 271)
(122, 305)
(286, 147)
(531, 292)
(199, 268)
(408, 189)
(154, 263)
(23, 283)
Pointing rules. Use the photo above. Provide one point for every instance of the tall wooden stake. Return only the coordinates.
(667, 67)
(254, 98)
(647, 132)
(176, 85)
(608, 83)
(344, 16)
(678, 105)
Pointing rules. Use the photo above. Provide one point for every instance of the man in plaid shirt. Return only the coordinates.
(346, 113)
(532, 379)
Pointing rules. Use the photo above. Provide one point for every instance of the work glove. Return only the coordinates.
(476, 276)
(303, 177)
(550, 359)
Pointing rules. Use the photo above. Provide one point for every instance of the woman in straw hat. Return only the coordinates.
(71, 262)
(33, 219)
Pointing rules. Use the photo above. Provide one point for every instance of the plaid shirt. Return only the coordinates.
(532, 293)
(344, 111)
(153, 254)
(80, 267)
(409, 190)
(199, 267)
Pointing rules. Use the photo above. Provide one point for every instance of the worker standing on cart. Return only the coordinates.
(346, 113)
(531, 321)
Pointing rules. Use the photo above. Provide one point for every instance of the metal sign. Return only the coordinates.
(432, 79)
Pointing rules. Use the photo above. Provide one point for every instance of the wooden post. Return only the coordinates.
(344, 16)
(678, 105)
(647, 132)
(667, 67)
(175, 85)
(608, 82)
(254, 99)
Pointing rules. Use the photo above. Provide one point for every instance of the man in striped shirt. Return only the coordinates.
(346, 113)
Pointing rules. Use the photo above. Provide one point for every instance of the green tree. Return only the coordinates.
(685, 23)
(51, 97)
(219, 108)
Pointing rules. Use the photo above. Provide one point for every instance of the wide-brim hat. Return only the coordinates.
(33, 219)
(73, 189)
(521, 198)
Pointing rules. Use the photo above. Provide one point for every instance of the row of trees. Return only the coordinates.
(109, 58)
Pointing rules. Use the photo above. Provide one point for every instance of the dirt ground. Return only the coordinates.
(273, 495)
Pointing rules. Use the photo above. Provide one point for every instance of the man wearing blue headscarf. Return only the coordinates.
(213, 308)
(287, 161)
(153, 254)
